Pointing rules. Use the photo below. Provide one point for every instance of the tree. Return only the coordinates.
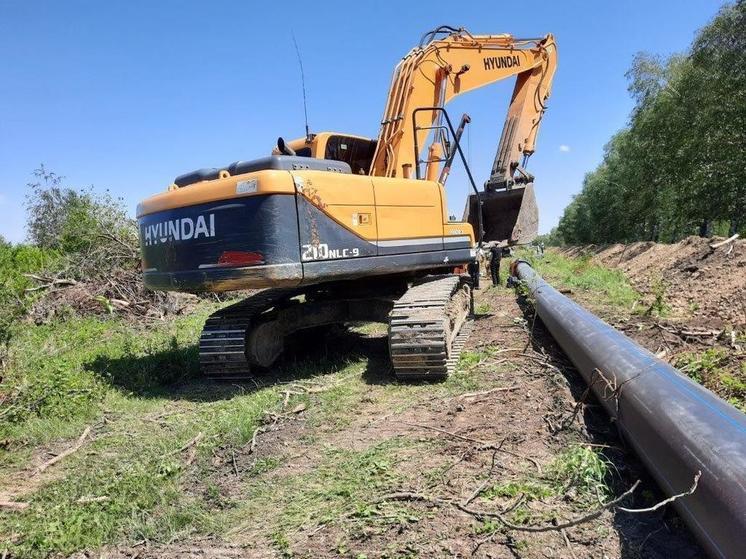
(73, 220)
(679, 167)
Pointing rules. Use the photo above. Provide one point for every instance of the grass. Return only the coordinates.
(578, 475)
(114, 376)
(582, 274)
(712, 369)
(342, 485)
(483, 308)
(62, 375)
(135, 385)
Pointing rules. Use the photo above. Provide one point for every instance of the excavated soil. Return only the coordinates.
(706, 286)
(538, 390)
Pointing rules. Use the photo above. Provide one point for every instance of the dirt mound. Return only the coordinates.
(697, 282)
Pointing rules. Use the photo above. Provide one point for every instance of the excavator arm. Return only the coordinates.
(434, 73)
(450, 62)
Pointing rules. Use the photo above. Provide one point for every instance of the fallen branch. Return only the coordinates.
(482, 445)
(412, 496)
(86, 500)
(50, 283)
(253, 438)
(671, 499)
(567, 543)
(190, 444)
(725, 242)
(65, 453)
(484, 484)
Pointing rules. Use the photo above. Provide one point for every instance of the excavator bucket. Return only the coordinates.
(509, 217)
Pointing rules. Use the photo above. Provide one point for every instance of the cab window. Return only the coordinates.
(357, 152)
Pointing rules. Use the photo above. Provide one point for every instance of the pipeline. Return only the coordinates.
(676, 426)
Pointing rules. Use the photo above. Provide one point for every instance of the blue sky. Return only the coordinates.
(127, 95)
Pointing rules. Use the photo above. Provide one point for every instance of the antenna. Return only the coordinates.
(303, 83)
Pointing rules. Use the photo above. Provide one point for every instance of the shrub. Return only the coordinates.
(15, 263)
(92, 229)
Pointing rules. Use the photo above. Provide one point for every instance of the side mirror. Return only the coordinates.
(283, 147)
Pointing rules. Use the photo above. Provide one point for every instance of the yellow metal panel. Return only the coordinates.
(347, 198)
(248, 184)
(408, 208)
(458, 229)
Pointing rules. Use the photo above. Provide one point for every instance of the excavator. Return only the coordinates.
(335, 228)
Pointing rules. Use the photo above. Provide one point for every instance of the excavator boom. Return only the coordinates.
(443, 67)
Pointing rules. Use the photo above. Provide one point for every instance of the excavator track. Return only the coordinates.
(222, 344)
(428, 327)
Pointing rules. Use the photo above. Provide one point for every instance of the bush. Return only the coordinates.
(91, 228)
(15, 263)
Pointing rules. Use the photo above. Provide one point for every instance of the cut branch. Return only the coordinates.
(499, 516)
(671, 499)
(487, 392)
(725, 242)
(65, 453)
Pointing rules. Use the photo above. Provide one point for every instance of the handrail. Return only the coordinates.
(457, 141)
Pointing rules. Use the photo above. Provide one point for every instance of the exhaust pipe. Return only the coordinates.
(676, 426)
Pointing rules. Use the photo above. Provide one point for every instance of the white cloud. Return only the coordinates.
(564, 147)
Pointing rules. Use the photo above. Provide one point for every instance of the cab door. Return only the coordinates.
(409, 215)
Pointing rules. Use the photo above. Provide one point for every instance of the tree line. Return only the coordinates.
(679, 167)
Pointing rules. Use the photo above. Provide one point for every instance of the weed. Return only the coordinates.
(469, 359)
(580, 467)
(712, 369)
(658, 307)
(582, 273)
(483, 308)
(577, 474)
(703, 367)
(281, 542)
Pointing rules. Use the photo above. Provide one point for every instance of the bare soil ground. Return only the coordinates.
(367, 467)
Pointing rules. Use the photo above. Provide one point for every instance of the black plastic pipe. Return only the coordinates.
(676, 426)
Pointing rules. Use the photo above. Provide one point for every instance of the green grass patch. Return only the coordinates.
(577, 475)
(343, 484)
(59, 375)
(483, 308)
(66, 375)
(138, 468)
(712, 368)
(581, 273)
(582, 468)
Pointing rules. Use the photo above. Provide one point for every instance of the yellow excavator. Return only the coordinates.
(340, 228)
